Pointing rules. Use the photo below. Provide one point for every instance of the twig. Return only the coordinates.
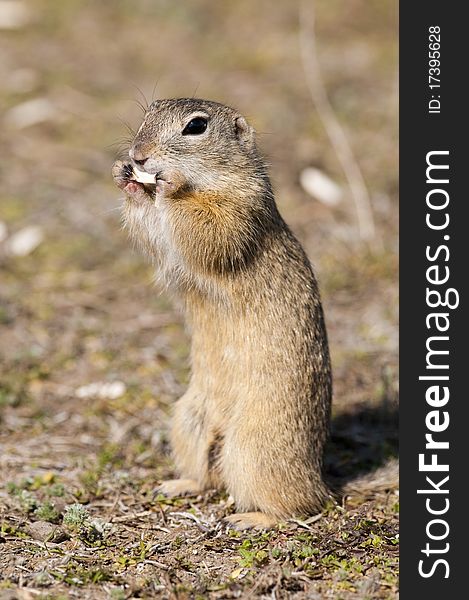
(334, 130)
(306, 524)
(185, 515)
(156, 563)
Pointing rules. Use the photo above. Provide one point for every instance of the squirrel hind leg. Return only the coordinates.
(189, 435)
(251, 520)
(179, 487)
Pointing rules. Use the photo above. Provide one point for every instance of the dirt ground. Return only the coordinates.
(92, 356)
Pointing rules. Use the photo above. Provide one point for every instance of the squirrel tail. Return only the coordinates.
(384, 478)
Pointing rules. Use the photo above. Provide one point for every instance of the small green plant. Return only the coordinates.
(56, 489)
(42, 579)
(76, 516)
(76, 575)
(6, 529)
(27, 501)
(11, 396)
(109, 455)
(47, 512)
(276, 552)
(374, 541)
(12, 488)
(45, 480)
(90, 481)
(138, 555)
(251, 556)
(91, 531)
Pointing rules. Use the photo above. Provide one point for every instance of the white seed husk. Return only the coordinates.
(143, 176)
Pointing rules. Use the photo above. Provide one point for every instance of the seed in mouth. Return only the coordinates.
(143, 176)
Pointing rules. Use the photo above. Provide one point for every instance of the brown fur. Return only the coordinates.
(384, 478)
(255, 417)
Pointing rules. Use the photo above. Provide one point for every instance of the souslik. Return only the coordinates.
(255, 417)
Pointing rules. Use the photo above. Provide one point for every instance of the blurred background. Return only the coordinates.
(91, 355)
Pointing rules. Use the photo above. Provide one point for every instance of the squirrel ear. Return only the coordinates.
(244, 131)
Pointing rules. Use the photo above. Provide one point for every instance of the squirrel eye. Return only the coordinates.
(195, 127)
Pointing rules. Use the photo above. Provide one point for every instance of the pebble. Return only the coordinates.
(104, 389)
(13, 14)
(24, 241)
(45, 531)
(318, 185)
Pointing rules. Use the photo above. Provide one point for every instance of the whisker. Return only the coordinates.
(119, 144)
(143, 105)
(140, 105)
(154, 90)
(127, 125)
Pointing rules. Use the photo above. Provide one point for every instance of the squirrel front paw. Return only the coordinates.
(122, 173)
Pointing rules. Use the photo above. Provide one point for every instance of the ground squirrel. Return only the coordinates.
(255, 417)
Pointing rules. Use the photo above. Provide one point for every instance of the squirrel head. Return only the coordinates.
(194, 145)
(211, 208)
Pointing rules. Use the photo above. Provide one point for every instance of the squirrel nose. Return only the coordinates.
(139, 154)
